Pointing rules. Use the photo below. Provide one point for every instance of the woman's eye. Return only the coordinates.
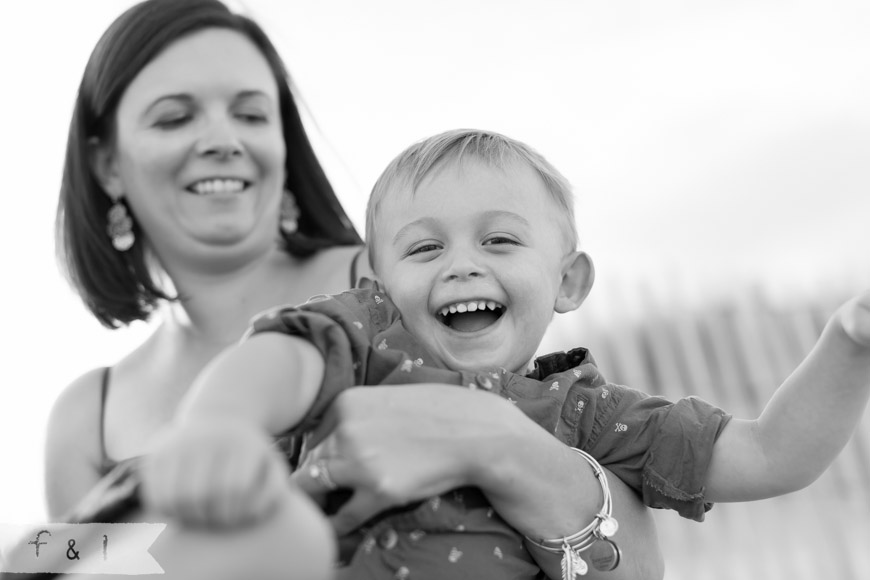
(249, 117)
(171, 122)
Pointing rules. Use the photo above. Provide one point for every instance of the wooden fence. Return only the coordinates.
(734, 352)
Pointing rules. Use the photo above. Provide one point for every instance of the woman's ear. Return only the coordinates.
(578, 275)
(105, 167)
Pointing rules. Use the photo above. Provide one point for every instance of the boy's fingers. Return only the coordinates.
(194, 489)
(231, 484)
(265, 494)
(159, 489)
(318, 436)
(312, 480)
(856, 321)
(305, 486)
(360, 508)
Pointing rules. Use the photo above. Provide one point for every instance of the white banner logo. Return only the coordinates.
(79, 548)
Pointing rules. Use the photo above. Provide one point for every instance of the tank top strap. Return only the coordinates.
(106, 464)
(354, 267)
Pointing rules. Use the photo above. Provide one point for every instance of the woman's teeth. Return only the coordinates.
(471, 306)
(212, 186)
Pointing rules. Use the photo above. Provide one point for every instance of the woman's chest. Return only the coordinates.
(142, 399)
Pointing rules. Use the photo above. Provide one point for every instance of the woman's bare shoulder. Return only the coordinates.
(330, 270)
(80, 398)
(350, 262)
(72, 451)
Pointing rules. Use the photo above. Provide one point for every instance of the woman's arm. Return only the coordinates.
(536, 483)
(73, 448)
(545, 490)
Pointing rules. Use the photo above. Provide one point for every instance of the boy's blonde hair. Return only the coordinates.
(408, 170)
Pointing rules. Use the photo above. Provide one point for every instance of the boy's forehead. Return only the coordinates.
(475, 178)
(456, 185)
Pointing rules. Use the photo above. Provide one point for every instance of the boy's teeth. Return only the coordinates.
(471, 306)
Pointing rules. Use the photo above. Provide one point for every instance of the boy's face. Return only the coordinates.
(475, 261)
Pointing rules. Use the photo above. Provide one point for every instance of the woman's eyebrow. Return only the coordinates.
(251, 94)
(183, 97)
(187, 98)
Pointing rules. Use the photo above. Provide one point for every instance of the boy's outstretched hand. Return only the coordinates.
(854, 316)
(215, 473)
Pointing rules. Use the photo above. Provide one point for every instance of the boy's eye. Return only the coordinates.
(422, 249)
(498, 240)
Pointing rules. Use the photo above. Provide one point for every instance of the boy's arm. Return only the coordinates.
(215, 465)
(270, 381)
(807, 421)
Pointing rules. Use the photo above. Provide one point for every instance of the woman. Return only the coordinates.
(190, 186)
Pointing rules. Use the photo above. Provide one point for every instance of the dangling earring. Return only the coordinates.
(120, 227)
(289, 213)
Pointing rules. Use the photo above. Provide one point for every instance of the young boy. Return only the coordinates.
(472, 236)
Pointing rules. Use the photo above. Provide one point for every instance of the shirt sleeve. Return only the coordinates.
(660, 448)
(341, 327)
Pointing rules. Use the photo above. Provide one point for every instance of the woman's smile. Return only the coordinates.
(218, 186)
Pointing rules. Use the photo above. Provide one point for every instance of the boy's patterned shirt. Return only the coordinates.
(659, 448)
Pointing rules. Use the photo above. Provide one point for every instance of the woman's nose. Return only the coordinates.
(220, 142)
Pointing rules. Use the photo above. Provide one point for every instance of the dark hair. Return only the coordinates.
(118, 287)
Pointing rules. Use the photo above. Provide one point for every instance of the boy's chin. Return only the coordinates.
(467, 362)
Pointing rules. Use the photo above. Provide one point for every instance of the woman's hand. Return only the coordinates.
(393, 445)
(398, 444)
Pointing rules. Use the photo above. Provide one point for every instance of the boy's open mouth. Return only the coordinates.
(470, 316)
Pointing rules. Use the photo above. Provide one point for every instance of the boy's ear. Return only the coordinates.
(366, 276)
(578, 275)
(105, 168)
(365, 283)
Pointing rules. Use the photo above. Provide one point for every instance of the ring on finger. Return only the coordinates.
(320, 474)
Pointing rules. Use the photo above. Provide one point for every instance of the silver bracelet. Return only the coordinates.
(602, 527)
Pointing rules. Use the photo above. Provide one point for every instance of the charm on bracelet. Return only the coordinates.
(604, 555)
(607, 528)
(572, 564)
(595, 537)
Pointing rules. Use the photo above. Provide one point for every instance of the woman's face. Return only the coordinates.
(198, 151)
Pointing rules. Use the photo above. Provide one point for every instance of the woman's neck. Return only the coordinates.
(215, 306)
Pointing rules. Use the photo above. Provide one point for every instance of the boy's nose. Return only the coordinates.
(462, 267)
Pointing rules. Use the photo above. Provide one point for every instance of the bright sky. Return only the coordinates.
(721, 142)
